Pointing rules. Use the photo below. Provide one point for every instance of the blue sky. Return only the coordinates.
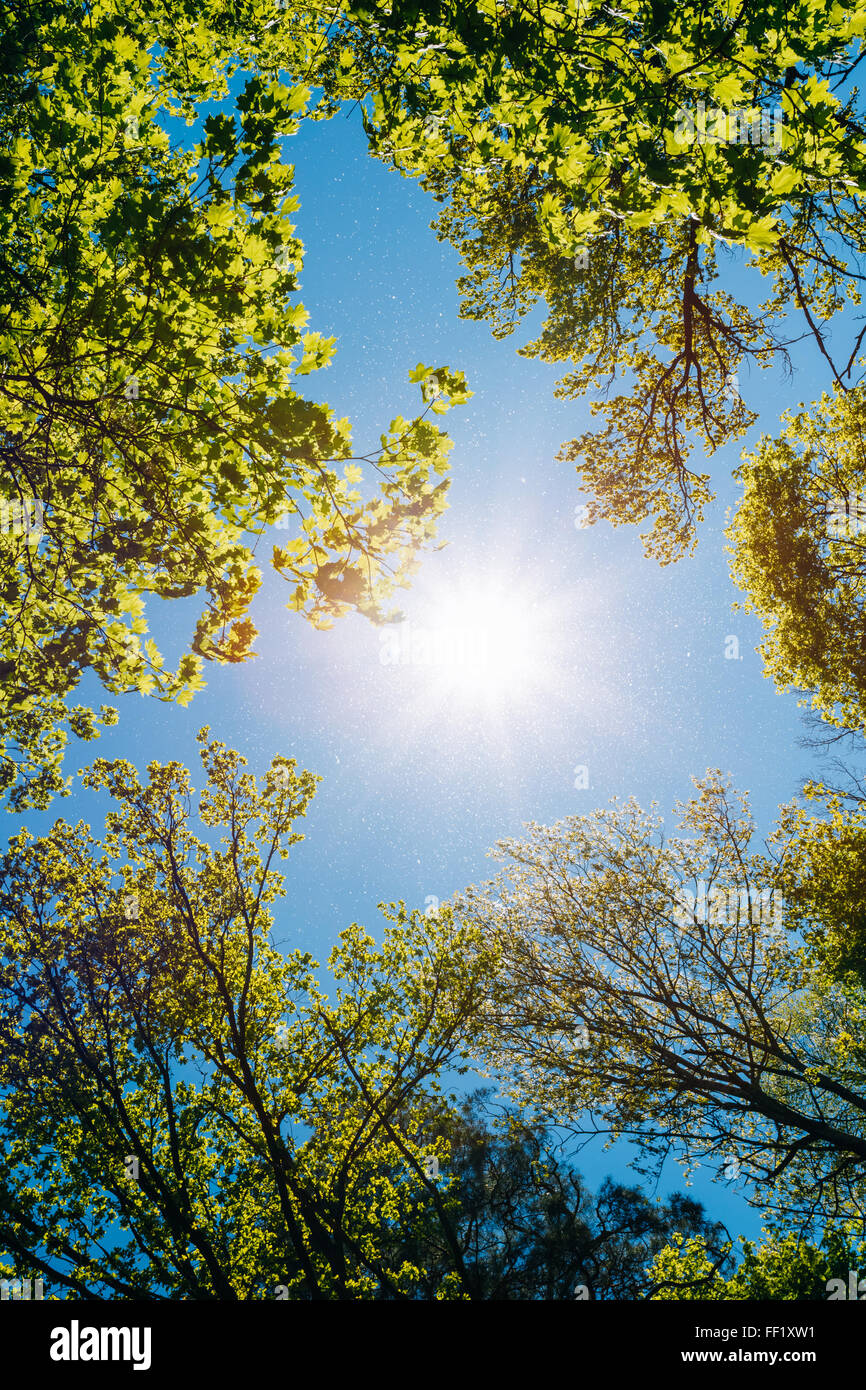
(626, 673)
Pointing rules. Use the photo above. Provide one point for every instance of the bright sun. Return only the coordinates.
(480, 644)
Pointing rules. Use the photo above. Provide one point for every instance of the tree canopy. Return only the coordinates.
(612, 162)
(188, 1110)
(530, 1229)
(780, 1269)
(654, 989)
(187, 1113)
(150, 340)
(799, 553)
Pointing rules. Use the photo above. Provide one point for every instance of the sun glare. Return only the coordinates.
(479, 644)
